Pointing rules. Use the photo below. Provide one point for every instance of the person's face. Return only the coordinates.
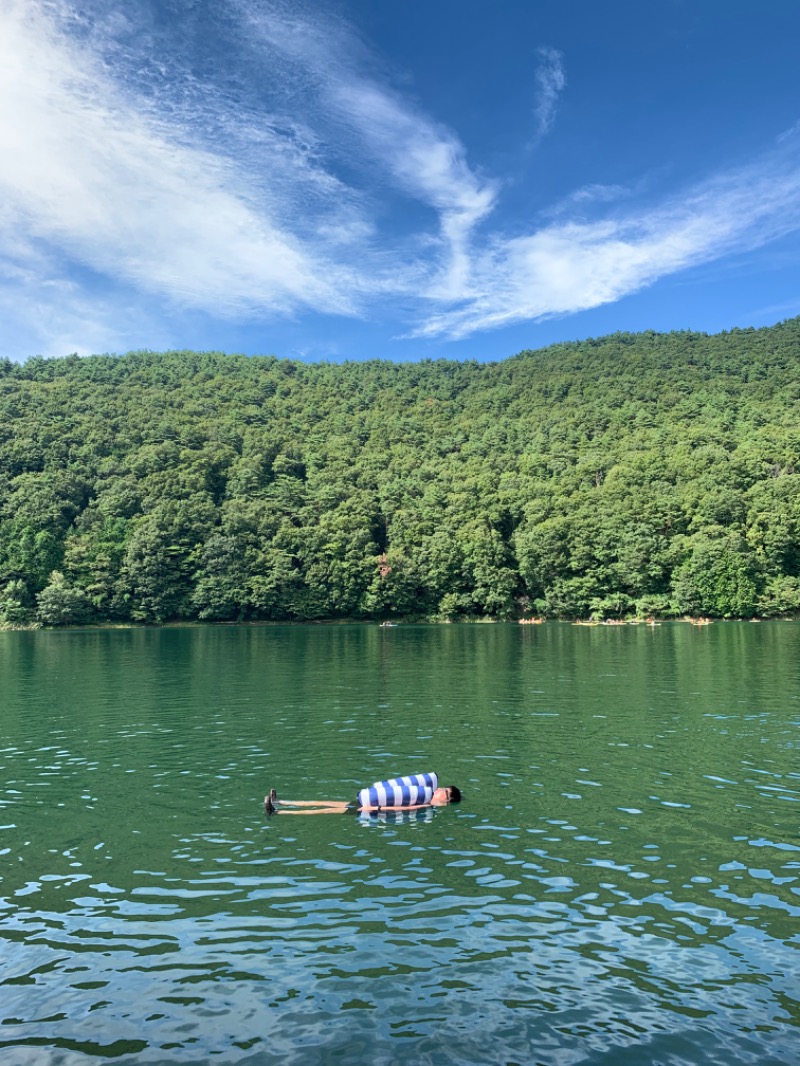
(440, 797)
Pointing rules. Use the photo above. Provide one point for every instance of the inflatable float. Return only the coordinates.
(407, 791)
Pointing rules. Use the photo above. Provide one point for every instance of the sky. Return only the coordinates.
(356, 179)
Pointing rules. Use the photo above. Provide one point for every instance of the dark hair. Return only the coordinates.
(455, 794)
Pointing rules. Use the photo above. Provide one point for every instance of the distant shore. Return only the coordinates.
(385, 623)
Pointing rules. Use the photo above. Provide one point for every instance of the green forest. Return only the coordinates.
(627, 476)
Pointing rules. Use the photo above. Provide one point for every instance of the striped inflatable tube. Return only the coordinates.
(399, 791)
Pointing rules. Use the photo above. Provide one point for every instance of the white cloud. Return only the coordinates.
(115, 156)
(419, 156)
(551, 81)
(603, 194)
(429, 164)
(143, 177)
(573, 266)
(788, 309)
(792, 133)
(581, 201)
(85, 171)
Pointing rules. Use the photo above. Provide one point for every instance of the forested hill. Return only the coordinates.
(630, 475)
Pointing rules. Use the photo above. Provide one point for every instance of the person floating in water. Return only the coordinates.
(398, 794)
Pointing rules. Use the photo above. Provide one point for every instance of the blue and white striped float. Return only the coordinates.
(400, 791)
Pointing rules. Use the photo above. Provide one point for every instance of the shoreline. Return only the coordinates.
(382, 623)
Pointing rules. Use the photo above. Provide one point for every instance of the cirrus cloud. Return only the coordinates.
(570, 266)
(143, 178)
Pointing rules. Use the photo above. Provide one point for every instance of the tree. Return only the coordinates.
(59, 604)
(16, 604)
(612, 476)
(720, 577)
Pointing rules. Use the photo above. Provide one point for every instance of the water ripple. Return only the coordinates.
(621, 882)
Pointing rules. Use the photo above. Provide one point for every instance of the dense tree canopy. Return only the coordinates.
(629, 475)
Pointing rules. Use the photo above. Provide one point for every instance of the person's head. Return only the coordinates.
(447, 794)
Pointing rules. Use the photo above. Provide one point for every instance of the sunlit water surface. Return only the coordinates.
(618, 886)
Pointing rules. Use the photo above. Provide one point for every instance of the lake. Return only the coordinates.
(620, 884)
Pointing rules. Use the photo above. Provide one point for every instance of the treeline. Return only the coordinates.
(632, 475)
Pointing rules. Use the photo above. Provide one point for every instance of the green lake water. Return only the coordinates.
(620, 885)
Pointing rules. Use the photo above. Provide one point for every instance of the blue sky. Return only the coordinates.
(368, 179)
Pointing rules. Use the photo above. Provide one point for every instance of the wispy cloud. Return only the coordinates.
(89, 172)
(792, 133)
(117, 157)
(573, 266)
(422, 158)
(551, 81)
(597, 194)
(144, 177)
(788, 309)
